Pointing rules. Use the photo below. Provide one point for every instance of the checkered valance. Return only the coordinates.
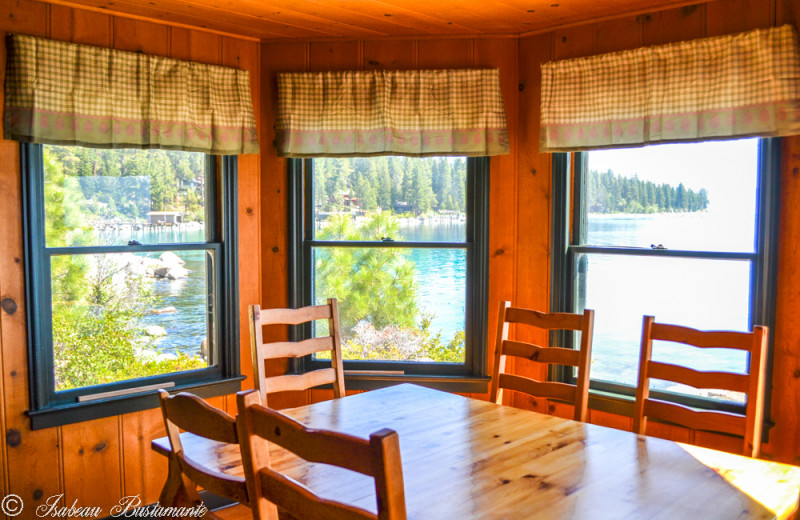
(729, 86)
(413, 113)
(69, 94)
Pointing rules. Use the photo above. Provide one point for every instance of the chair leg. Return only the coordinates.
(178, 490)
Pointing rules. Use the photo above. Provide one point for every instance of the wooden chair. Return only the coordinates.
(290, 349)
(577, 394)
(210, 431)
(751, 383)
(378, 457)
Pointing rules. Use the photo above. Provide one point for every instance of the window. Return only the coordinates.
(129, 261)
(402, 244)
(684, 232)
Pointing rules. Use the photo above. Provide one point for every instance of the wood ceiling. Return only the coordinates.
(371, 19)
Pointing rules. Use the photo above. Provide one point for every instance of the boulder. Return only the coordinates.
(169, 258)
(155, 331)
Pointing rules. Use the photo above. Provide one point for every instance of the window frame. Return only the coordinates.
(472, 375)
(50, 408)
(569, 222)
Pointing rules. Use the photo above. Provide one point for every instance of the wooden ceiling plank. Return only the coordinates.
(431, 18)
(231, 25)
(491, 16)
(344, 12)
(284, 16)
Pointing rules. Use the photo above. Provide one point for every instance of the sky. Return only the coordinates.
(727, 169)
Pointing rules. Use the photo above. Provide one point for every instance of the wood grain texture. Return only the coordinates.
(92, 467)
(445, 54)
(502, 54)
(334, 56)
(389, 55)
(143, 470)
(246, 55)
(464, 458)
(31, 462)
(619, 34)
(141, 36)
(674, 25)
(377, 19)
(273, 225)
(532, 200)
(784, 441)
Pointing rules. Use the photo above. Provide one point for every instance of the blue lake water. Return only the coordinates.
(706, 294)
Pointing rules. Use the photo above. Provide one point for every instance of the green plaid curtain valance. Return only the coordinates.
(412, 113)
(69, 94)
(729, 86)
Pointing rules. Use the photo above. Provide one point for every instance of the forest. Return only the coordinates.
(397, 184)
(127, 184)
(611, 193)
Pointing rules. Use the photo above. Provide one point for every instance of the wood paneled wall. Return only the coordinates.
(697, 21)
(97, 462)
(521, 183)
(499, 53)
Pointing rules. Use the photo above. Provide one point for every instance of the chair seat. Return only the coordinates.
(219, 456)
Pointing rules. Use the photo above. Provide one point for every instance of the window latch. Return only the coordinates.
(659, 246)
(387, 239)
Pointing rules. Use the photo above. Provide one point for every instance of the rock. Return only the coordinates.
(165, 310)
(169, 258)
(155, 331)
(176, 272)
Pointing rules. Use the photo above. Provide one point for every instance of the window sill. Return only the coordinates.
(460, 384)
(79, 412)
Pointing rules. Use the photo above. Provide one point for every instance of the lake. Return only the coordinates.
(706, 294)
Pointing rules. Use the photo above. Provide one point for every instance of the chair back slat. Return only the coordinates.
(550, 355)
(262, 351)
(551, 389)
(577, 394)
(701, 338)
(298, 349)
(378, 457)
(751, 383)
(722, 422)
(324, 447)
(295, 316)
(192, 414)
(699, 379)
(297, 382)
(303, 503)
(543, 320)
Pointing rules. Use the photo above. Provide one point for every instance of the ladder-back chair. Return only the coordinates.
(577, 394)
(751, 383)
(262, 351)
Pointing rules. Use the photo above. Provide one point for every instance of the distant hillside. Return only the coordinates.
(611, 193)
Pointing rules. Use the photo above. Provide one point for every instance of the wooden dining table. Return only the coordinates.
(470, 459)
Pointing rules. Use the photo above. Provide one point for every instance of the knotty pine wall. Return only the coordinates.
(684, 23)
(99, 461)
(521, 183)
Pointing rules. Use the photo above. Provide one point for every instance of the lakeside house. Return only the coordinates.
(168, 218)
